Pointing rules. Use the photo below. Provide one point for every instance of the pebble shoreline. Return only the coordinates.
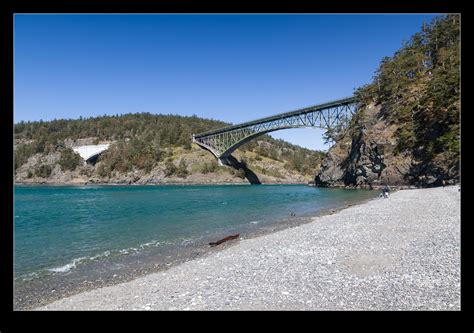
(401, 253)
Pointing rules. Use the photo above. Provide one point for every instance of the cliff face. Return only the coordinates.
(366, 156)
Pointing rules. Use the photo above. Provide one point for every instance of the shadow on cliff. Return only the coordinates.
(249, 174)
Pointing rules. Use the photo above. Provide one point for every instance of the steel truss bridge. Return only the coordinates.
(222, 142)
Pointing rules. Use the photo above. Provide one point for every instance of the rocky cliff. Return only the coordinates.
(366, 155)
(407, 130)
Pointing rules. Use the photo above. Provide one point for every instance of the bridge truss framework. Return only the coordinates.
(222, 142)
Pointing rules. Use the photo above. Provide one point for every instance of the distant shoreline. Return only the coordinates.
(373, 187)
(149, 184)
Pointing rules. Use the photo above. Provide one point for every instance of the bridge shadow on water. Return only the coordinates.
(249, 174)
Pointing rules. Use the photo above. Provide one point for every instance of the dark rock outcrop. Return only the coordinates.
(366, 157)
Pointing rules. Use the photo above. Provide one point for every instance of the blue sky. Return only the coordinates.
(228, 67)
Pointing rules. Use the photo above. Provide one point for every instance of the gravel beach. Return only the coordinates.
(401, 253)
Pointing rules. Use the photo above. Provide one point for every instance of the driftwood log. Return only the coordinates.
(224, 240)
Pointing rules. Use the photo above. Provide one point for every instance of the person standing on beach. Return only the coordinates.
(386, 191)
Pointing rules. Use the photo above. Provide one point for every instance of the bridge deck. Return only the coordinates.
(347, 100)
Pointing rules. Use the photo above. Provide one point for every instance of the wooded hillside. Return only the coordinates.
(142, 142)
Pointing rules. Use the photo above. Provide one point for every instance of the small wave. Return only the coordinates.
(67, 267)
(74, 262)
(255, 222)
(103, 254)
(186, 241)
(152, 243)
(27, 277)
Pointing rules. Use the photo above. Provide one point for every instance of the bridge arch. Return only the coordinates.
(222, 142)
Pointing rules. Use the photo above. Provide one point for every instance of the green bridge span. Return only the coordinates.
(222, 142)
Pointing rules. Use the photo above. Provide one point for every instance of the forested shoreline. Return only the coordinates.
(145, 142)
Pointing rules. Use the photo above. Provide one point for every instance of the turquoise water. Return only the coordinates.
(57, 228)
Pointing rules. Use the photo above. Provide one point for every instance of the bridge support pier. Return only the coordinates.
(223, 161)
